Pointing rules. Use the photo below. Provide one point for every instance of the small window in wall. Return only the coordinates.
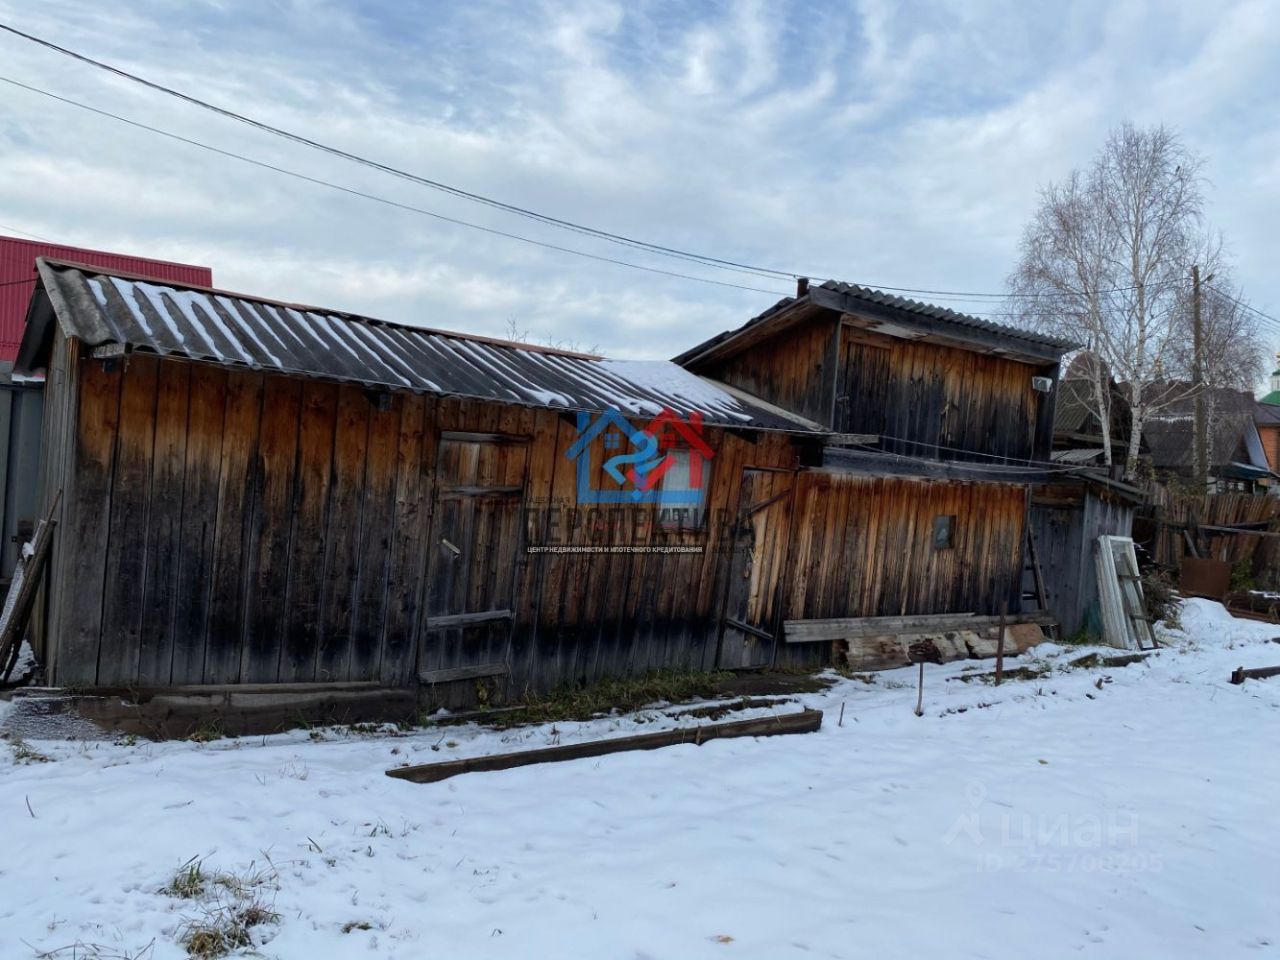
(943, 528)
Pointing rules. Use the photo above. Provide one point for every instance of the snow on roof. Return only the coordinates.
(171, 319)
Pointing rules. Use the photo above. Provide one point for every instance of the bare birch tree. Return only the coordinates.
(1105, 261)
(1233, 348)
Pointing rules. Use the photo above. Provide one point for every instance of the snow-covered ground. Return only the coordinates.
(1129, 812)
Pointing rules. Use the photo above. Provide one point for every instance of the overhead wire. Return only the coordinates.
(374, 197)
(1247, 306)
(554, 221)
(992, 469)
(24, 233)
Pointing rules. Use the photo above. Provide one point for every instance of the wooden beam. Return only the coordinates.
(897, 321)
(806, 721)
(853, 628)
(748, 628)
(1240, 674)
(468, 436)
(466, 619)
(480, 492)
(448, 674)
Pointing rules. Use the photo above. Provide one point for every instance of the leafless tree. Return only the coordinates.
(519, 334)
(1233, 347)
(1105, 262)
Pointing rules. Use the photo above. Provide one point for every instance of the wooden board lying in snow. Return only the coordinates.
(806, 721)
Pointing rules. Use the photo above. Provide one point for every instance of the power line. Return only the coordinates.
(1241, 303)
(1016, 468)
(388, 202)
(14, 283)
(23, 233)
(396, 171)
(369, 196)
(654, 248)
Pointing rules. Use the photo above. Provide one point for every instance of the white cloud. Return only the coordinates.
(879, 143)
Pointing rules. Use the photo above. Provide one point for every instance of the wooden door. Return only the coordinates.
(752, 617)
(862, 395)
(475, 545)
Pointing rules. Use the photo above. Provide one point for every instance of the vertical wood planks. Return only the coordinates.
(88, 512)
(865, 546)
(195, 561)
(158, 640)
(273, 512)
(233, 536)
(415, 453)
(317, 423)
(341, 577)
(118, 656)
(375, 546)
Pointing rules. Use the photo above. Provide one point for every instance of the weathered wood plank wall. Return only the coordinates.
(795, 370)
(233, 526)
(1066, 520)
(926, 399)
(57, 443)
(935, 401)
(863, 546)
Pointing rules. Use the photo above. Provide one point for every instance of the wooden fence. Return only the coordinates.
(1238, 528)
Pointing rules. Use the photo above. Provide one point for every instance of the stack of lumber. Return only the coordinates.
(885, 643)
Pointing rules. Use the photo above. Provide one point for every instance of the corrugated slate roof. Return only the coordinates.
(1086, 455)
(1074, 408)
(106, 307)
(943, 313)
(1232, 437)
(960, 324)
(1267, 414)
(18, 263)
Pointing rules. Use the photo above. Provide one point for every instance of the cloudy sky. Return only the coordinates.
(896, 144)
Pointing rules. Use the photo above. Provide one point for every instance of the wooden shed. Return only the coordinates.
(258, 492)
(939, 423)
(255, 492)
(1067, 518)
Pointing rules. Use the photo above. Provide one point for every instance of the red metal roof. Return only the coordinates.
(18, 263)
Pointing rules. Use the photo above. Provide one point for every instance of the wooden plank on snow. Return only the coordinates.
(806, 721)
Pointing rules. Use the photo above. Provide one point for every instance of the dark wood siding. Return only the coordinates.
(233, 526)
(930, 400)
(291, 530)
(1066, 520)
(795, 370)
(863, 547)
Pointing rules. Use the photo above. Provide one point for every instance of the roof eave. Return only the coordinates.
(730, 342)
(909, 324)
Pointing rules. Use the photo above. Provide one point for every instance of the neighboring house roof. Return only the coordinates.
(1234, 444)
(1266, 414)
(104, 308)
(1272, 398)
(1075, 422)
(1074, 410)
(1177, 398)
(913, 317)
(18, 278)
(1084, 455)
